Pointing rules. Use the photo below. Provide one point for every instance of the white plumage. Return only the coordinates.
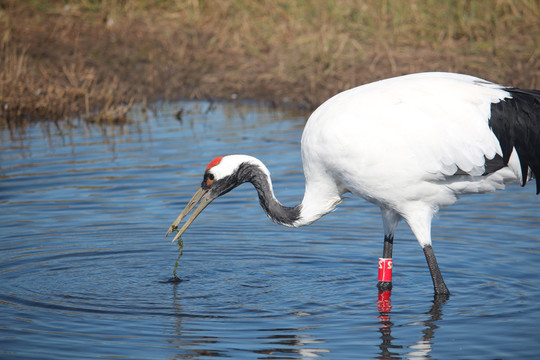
(397, 143)
(409, 144)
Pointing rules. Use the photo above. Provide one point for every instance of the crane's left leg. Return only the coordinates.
(385, 264)
(390, 221)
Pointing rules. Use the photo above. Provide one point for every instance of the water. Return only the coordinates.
(84, 265)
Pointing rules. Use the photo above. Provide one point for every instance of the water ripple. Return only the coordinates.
(85, 267)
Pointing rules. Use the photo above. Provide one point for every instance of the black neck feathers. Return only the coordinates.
(278, 213)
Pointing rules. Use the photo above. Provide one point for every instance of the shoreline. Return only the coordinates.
(80, 59)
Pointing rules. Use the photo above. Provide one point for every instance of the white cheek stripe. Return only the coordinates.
(229, 164)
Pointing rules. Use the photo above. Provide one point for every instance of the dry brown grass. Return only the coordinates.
(97, 57)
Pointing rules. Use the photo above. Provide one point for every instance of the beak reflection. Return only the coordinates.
(201, 196)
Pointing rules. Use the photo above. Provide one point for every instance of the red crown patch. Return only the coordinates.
(214, 162)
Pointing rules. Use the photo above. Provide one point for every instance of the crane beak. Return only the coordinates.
(203, 197)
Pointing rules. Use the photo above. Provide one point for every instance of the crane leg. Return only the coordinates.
(385, 283)
(438, 281)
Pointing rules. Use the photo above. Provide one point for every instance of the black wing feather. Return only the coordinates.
(516, 123)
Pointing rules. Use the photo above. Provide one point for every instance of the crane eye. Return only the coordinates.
(208, 179)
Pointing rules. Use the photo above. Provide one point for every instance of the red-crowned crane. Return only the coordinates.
(408, 144)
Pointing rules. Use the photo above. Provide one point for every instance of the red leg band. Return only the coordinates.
(385, 270)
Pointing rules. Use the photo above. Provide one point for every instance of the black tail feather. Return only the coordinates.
(516, 123)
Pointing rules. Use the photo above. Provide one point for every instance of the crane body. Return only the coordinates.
(409, 145)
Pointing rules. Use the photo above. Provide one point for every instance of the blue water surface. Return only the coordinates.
(85, 267)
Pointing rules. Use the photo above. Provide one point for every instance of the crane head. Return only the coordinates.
(221, 176)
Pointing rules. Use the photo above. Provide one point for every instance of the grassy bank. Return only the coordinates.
(76, 58)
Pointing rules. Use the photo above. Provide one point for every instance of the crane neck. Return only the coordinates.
(292, 216)
(259, 176)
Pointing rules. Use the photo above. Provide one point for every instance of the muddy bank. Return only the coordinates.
(81, 58)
